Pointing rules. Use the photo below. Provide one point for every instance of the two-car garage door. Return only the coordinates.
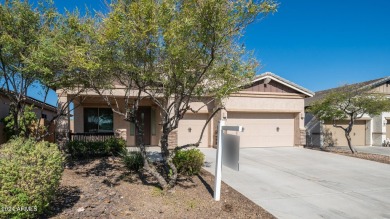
(260, 129)
(335, 136)
(264, 129)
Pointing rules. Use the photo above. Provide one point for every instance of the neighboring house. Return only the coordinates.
(270, 108)
(367, 131)
(46, 114)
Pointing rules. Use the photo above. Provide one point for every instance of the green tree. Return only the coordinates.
(62, 60)
(21, 28)
(349, 103)
(175, 52)
(171, 52)
(38, 48)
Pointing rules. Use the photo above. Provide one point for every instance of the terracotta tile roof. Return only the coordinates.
(365, 84)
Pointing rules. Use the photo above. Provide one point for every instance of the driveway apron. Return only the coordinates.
(292, 182)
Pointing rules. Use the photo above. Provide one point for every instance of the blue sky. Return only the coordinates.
(317, 44)
(324, 44)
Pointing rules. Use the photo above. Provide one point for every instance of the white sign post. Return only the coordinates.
(218, 165)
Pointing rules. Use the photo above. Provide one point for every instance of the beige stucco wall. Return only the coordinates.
(240, 102)
(271, 104)
(204, 106)
(204, 109)
(190, 128)
(50, 114)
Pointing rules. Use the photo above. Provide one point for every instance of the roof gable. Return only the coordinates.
(269, 82)
(369, 85)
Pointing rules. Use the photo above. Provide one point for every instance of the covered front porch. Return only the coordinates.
(94, 120)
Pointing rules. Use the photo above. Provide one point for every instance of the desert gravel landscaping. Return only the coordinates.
(103, 188)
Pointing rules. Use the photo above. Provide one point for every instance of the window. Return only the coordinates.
(44, 116)
(98, 120)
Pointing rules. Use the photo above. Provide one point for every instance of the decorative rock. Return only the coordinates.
(127, 213)
(80, 209)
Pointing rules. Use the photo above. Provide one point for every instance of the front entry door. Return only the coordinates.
(143, 116)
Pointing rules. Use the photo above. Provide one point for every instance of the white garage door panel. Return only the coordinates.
(264, 129)
(195, 122)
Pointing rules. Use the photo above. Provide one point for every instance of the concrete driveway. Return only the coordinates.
(368, 149)
(292, 182)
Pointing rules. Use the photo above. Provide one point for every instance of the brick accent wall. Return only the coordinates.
(172, 139)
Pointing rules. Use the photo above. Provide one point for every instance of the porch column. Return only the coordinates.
(369, 133)
(379, 130)
(63, 121)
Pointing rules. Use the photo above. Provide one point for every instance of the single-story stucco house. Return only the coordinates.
(367, 131)
(46, 114)
(270, 108)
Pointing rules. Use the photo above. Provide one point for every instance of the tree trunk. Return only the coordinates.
(348, 137)
(17, 113)
(167, 158)
(16, 122)
(348, 131)
(150, 169)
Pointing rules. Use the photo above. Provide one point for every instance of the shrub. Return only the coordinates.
(30, 172)
(133, 160)
(111, 146)
(115, 146)
(27, 124)
(188, 162)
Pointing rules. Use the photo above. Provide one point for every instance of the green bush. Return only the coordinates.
(133, 160)
(188, 162)
(115, 146)
(27, 124)
(30, 172)
(111, 146)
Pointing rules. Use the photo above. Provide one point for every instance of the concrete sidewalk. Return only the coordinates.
(292, 182)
